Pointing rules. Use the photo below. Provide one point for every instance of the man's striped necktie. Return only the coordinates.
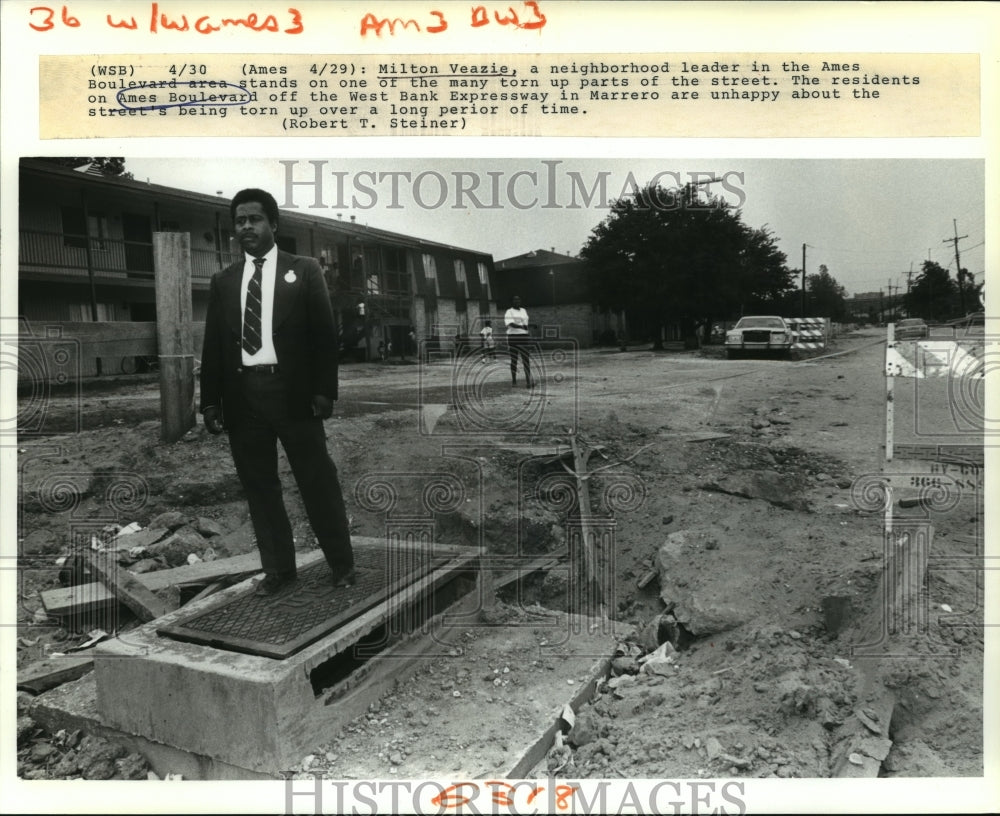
(251, 314)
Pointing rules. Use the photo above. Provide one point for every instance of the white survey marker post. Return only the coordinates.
(172, 274)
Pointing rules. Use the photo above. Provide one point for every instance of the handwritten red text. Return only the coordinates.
(462, 794)
(533, 19)
(44, 18)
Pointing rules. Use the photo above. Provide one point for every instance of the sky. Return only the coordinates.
(870, 221)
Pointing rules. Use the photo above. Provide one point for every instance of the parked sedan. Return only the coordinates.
(759, 333)
(913, 328)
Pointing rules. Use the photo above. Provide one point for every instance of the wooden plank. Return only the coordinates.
(128, 588)
(116, 339)
(537, 751)
(211, 589)
(206, 572)
(107, 331)
(544, 562)
(77, 600)
(51, 672)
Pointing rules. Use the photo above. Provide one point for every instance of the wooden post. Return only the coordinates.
(172, 273)
(594, 587)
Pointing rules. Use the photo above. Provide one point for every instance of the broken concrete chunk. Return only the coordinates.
(624, 665)
(208, 527)
(172, 519)
(705, 616)
(142, 539)
(584, 731)
(177, 547)
(869, 721)
(877, 749)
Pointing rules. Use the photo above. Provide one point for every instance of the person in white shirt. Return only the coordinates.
(488, 344)
(518, 338)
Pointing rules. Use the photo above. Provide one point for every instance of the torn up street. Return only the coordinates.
(652, 565)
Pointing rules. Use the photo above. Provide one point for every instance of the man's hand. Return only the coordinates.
(322, 406)
(213, 420)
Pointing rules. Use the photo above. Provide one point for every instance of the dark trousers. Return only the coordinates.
(255, 453)
(517, 345)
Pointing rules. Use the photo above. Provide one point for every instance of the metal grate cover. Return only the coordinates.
(280, 625)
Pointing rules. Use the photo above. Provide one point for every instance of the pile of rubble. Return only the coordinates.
(71, 754)
(171, 539)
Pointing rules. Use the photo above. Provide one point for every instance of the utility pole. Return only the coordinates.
(802, 308)
(958, 263)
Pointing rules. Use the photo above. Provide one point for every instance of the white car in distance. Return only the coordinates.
(759, 333)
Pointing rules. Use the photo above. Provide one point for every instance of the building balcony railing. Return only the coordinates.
(59, 253)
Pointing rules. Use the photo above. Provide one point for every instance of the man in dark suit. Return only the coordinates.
(269, 372)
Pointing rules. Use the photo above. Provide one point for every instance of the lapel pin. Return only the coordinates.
(289, 276)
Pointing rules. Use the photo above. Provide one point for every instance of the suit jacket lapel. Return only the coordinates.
(230, 283)
(286, 285)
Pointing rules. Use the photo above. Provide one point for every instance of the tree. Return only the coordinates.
(971, 292)
(934, 295)
(107, 165)
(825, 296)
(670, 256)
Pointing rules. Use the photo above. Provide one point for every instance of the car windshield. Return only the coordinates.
(760, 323)
(913, 321)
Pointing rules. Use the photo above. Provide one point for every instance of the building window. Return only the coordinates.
(74, 227)
(430, 273)
(98, 224)
(80, 312)
(397, 279)
(484, 279)
(460, 278)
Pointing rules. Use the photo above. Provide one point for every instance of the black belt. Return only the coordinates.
(260, 369)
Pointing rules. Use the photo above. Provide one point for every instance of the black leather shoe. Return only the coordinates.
(348, 579)
(274, 583)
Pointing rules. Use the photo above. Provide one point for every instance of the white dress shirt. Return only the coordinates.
(519, 317)
(266, 354)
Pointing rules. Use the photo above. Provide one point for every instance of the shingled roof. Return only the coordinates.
(528, 276)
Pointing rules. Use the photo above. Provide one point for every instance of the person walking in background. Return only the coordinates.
(269, 372)
(516, 319)
(488, 345)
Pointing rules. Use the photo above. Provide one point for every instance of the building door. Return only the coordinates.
(138, 235)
